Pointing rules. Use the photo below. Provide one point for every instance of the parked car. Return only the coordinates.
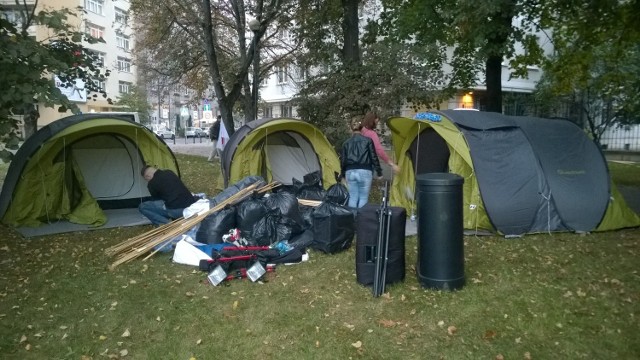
(193, 132)
(205, 131)
(166, 134)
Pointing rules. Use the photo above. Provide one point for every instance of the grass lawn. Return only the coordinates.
(561, 296)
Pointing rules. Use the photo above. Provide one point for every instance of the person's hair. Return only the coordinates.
(219, 116)
(355, 125)
(144, 169)
(369, 120)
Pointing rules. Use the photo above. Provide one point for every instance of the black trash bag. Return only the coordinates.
(313, 179)
(288, 206)
(333, 228)
(302, 241)
(337, 194)
(311, 188)
(265, 231)
(248, 213)
(307, 215)
(215, 225)
(311, 192)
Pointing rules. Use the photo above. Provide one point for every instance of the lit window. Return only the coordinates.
(122, 42)
(95, 6)
(124, 64)
(124, 87)
(95, 31)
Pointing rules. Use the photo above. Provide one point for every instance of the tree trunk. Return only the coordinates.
(351, 32)
(493, 79)
(30, 119)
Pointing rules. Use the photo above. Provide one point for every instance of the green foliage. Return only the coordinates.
(596, 64)
(136, 101)
(28, 64)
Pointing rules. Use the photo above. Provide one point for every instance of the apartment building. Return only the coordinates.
(106, 19)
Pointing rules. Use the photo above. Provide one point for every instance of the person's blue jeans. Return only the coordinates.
(359, 184)
(157, 213)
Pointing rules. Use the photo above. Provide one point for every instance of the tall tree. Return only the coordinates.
(135, 100)
(353, 70)
(186, 39)
(480, 34)
(596, 62)
(27, 66)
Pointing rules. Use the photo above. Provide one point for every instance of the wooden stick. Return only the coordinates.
(168, 231)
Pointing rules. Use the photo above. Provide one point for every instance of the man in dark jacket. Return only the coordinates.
(357, 163)
(170, 196)
(214, 133)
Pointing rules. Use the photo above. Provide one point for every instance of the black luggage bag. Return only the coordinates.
(367, 224)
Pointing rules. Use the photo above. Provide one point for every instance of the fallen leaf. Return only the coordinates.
(357, 344)
(63, 327)
(65, 336)
(499, 357)
(235, 304)
(317, 343)
(102, 337)
(23, 339)
(124, 352)
(189, 294)
(527, 356)
(387, 323)
(489, 335)
(199, 342)
(441, 323)
(126, 333)
(27, 347)
(452, 330)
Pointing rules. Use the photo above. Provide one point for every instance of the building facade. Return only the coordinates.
(106, 19)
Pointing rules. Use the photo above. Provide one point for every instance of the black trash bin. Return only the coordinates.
(440, 241)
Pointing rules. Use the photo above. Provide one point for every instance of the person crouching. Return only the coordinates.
(170, 196)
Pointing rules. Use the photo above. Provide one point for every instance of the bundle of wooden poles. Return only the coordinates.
(138, 246)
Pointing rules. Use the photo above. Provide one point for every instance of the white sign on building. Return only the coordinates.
(75, 92)
(165, 113)
(207, 115)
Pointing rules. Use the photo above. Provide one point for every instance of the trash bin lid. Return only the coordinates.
(439, 179)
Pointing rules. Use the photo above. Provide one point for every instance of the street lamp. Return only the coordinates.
(254, 25)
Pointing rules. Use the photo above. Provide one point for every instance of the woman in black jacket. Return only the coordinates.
(357, 163)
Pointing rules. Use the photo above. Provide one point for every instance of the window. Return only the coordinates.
(283, 74)
(95, 30)
(121, 16)
(13, 16)
(124, 87)
(286, 111)
(122, 42)
(100, 57)
(303, 73)
(95, 6)
(99, 84)
(124, 64)
(268, 112)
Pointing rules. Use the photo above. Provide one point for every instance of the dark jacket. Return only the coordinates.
(215, 130)
(167, 186)
(358, 153)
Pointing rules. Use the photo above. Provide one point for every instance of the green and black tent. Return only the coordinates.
(279, 149)
(521, 174)
(78, 168)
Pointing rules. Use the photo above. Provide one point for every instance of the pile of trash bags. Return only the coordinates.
(277, 217)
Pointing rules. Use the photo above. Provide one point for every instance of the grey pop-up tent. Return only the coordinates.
(522, 174)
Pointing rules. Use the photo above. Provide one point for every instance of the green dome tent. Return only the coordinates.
(279, 149)
(521, 174)
(78, 166)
